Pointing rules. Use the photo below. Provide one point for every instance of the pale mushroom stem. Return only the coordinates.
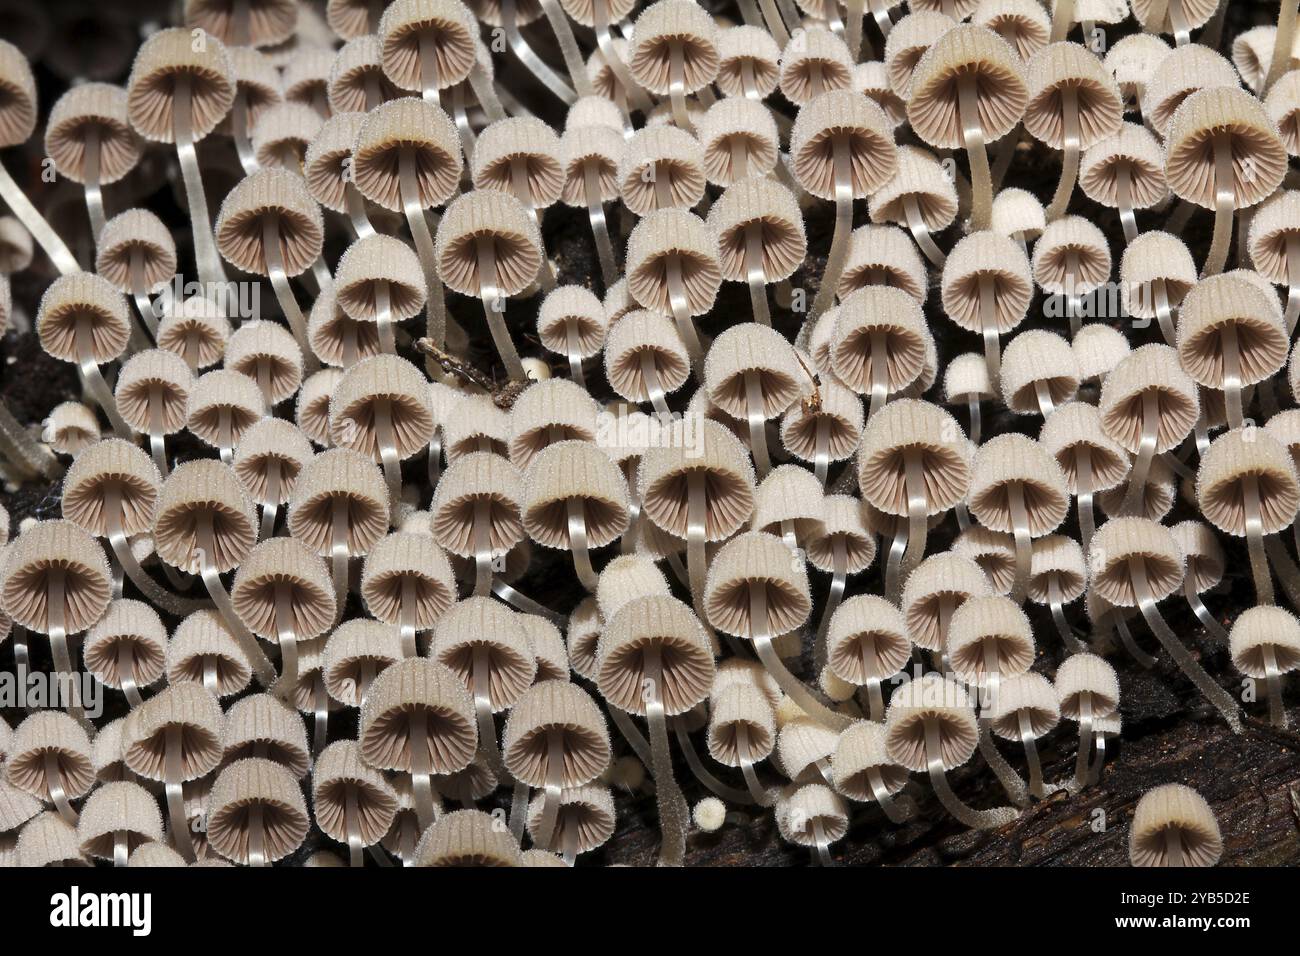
(434, 458)
(525, 604)
(356, 850)
(178, 825)
(121, 547)
(519, 185)
(239, 132)
(1293, 281)
(93, 378)
(427, 58)
(973, 136)
(967, 816)
(701, 772)
(283, 293)
(22, 451)
(756, 793)
(1164, 313)
(870, 667)
(58, 792)
(13, 196)
(1062, 20)
(1208, 621)
(839, 579)
(436, 307)
(673, 812)
(569, 50)
(1063, 628)
(775, 25)
(406, 617)
(627, 543)
(1225, 198)
(992, 347)
(749, 13)
(463, 127)
(896, 811)
(654, 388)
(519, 810)
(1085, 741)
(822, 451)
(839, 251)
(1070, 157)
(140, 293)
(918, 507)
(1083, 486)
(287, 634)
(853, 14)
(821, 845)
(93, 188)
(551, 794)
(599, 224)
(482, 547)
(356, 207)
(1044, 396)
(271, 498)
(22, 659)
(640, 101)
(486, 94)
(1023, 540)
(1004, 153)
(426, 811)
(757, 418)
(1273, 687)
(1137, 482)
(973, 407)
(1178, 21)
(1124, 199)
(755, 274)
(56, 627)
(481, 687)
(569, 850)
(1073, 295)
(386, 439)
(494, 309)
(1130, 644)
(921, 232)
(1036, 789)
(225, 435)
(679, 304)
(1010, 780)
(1216, 695)
(1259, 569)
(339, 552)
(1099, 745)
(204, 549)
(320, 700)
(879, 361)
(207, 260)
(880, 11)
(894, 561)
(547, 77)
(578, 544)
(760, 631)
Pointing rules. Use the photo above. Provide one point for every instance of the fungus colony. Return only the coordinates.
(486, 409)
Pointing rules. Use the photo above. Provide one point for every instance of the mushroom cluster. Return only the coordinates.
(480, 407)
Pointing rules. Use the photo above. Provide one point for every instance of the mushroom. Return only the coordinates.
(178, 92)
(1174, 826)
(1138, 562)
(17, 123)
